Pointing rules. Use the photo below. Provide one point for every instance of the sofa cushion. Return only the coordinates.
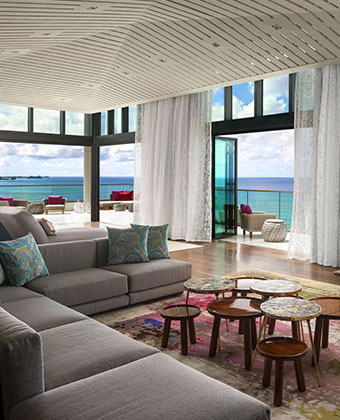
(22, 260)
(55, 199)
(4, 234)
(3, 277)
(77, 234)
(10, 293)
(161, 389)
(90, 348)
(153, 274)
(157, 242)
(9, 200)
(82, 286)
(42, 313)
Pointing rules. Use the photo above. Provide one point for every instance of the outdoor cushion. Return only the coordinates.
(127, 245)
(22, 260)
(55, 199)
(86, 348)
(124, 195)
(82, 286)
(10, 293)
(157, 242)
(9, 199)
(153, 274)
(153, 388)
(247, 210)
(115, 195)
(42, 313)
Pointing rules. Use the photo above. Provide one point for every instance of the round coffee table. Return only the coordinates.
(242, 308)
(291, 309)
(208, 286)
(242, 284)
(330, 310)
(185, 314)
(274, 230)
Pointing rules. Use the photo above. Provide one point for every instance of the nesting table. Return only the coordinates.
(208, 286)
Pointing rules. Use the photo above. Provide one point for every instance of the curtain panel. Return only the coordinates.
(173, 166)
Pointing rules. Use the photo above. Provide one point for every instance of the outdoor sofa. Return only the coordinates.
(58, 364)
(18, 204)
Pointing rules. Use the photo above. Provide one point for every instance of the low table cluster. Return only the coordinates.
(279, 301)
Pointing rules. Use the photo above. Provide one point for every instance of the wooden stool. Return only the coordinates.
(185, 314)
(281, 349)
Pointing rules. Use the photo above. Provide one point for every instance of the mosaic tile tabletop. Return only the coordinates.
(209, 285)
(275, 287)
(290, 309)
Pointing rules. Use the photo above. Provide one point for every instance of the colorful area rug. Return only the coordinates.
(227, 365)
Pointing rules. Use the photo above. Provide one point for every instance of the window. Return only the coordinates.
(46, 121)
(132, 118)
(243, 100)
(117, 129)
(275, 95)
(103, 123)
(218, 104)
(75, 123)
(13, 118)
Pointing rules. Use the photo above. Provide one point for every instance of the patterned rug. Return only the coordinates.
(227, 365)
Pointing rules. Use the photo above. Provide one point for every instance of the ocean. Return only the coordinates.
(72, 189)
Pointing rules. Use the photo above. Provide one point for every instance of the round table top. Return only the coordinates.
(290, 309)
(282, 347)
(242, 284)
(330, 306)
(209, 285)
(275, 287)
(235, 307)
(280, 221)
(178, 312)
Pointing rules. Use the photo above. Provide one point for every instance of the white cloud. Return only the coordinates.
(117, 160)
(241, 110)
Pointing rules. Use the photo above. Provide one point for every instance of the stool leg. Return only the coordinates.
(187, 297)
(214, 336)
(314, 354)
(244, 293)
(240, 328)
(295, 329)
(247, 343)
(271, 326)
(166, 332)
(317, 337)
(253, 333)
(278, 383)
(325, 332)
(192, 332)
(300, 379)
(184, 337)
(267, 371)
(261, 328)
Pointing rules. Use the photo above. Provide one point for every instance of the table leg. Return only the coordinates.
(184, 337)
(247, 342)
(166, 332)
(314, 354)
(192, 332)
(214, 336)
(302, 335)
(240, 328)
(262, 326)
(317, 337)
(295, 329)
(187, 298)
(267, 372)
(325, 333)
(253, 333)
(300, 379)
(271, 326)
(278, 382)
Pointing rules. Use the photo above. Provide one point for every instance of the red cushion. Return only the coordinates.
(247, 210)
(242, 208)
(55, 199)
(124, 196)
(131, 195)
(115, 195)
(9, 199)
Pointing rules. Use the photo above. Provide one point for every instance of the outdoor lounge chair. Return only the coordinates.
(253, 222)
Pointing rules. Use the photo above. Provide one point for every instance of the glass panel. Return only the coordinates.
(75, 123)
(13, 118)
(103, 123)
(225, 185)
(46, 121)
(218, 104)
(243, 100)
(132, 118)
(275, 95)
(118, 121)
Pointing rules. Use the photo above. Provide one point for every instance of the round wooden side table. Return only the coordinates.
(208, 286)
(246, 310)
(330, 310)
(291, 309)
(281, 349)
(185, 314)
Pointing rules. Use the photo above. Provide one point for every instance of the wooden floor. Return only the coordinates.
(221, 258)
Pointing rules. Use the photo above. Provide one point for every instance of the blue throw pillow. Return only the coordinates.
(127, 245)
(22, 260)
(157, 242)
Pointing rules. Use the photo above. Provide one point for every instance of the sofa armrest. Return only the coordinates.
(21, 203)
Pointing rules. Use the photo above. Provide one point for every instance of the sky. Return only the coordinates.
(269, 154)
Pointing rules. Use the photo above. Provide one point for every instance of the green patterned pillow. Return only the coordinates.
(157, 242)
(22, 260)
(128, 245)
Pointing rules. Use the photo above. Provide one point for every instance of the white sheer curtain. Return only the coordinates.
(173, 166)
(316, 213)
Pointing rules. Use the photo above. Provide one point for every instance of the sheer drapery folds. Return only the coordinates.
(173, 166)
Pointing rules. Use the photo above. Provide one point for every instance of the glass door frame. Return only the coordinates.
(223, 235)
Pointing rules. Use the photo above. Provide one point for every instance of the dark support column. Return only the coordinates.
(30, 120)
(125, 120)
(292, 82)
(228, 103)
(95, 172)
(62, 122)
(258, 98)
(110, 122)
(88, 125)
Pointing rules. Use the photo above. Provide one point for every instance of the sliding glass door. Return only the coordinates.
(224, 187)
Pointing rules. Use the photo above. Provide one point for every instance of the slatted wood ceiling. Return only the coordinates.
(90, 56)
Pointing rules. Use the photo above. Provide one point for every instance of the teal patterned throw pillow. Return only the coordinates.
(2, 275)
(22, 260)
(157, 242)
(128, 245)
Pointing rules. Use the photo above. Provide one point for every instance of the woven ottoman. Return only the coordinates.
(35, 208)
(274, 230)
